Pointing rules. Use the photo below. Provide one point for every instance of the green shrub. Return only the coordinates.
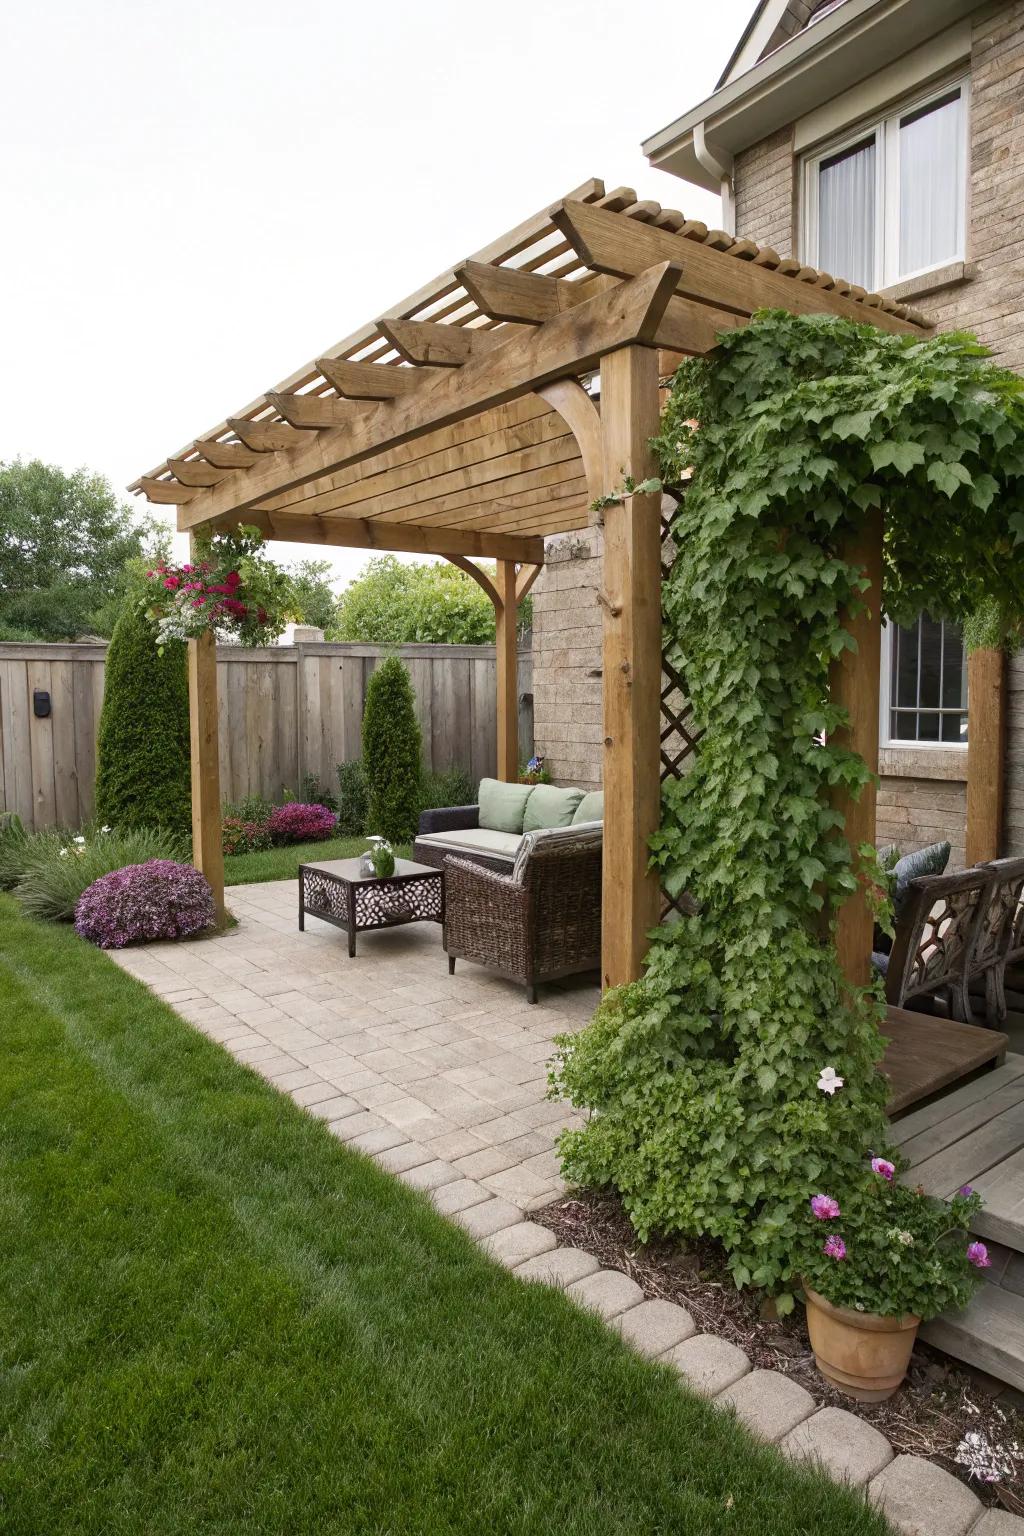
(56, 867)
(250, 808)
(353, 808)
(143, 776)
(313, 791)
(391, 753)
(451, 786)
(13, 846)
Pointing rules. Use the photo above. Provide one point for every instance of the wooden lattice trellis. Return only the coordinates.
(678, 734)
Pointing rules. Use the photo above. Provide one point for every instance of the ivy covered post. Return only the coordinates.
(854, 686)
(207, 846)
(631, 601)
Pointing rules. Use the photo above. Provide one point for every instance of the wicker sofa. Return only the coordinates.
(468, 832)
(537, 922)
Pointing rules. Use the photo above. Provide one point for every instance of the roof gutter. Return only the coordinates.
(718, 162)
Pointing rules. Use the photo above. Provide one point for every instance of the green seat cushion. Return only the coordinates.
(590, 808)
(550, 806)
(502, 805)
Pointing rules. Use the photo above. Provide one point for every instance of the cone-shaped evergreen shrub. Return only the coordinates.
(143, 775)
(391, 753)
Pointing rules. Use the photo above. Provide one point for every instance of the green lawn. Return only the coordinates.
(283, 863)
(214, 1318)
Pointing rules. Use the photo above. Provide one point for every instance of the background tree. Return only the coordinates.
(398, 603)
(391, 753)
(143, 775)
(65, 544)
(315, 601)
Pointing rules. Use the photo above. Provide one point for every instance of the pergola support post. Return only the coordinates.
(507, 656)
(854, 681)
(631, 601)
(986, 740)
(207, 847)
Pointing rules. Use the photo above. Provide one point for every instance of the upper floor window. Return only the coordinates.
(924, 684)
(889, 202)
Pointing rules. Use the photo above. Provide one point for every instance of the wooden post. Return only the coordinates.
(986, 742)
(854, 684)
(207, 850)
(632, 662)
(507, 654)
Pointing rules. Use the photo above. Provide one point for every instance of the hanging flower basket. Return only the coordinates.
(231, 588)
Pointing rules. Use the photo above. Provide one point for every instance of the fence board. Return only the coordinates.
(284, 711)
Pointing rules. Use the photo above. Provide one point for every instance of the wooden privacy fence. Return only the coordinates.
(284, 711)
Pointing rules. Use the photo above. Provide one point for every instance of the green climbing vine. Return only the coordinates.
(703, 1077)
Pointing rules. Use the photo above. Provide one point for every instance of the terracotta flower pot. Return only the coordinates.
(861, 1354)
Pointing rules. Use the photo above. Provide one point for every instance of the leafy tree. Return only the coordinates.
(314, 599)
(65, 542)
(143, 776)
(396, 603)
(391, 753)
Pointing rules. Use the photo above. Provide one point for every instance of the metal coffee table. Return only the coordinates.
(336, 892)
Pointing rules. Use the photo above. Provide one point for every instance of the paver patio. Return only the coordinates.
(439, 1072)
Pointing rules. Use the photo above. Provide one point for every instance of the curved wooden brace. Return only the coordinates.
(525, 578)
(580, 415)
(480, 577)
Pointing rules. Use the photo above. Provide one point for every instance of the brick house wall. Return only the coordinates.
(922, 797)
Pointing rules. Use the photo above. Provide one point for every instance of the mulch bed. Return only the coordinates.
(932, 1414)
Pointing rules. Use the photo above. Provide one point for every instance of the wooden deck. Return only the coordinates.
(926, 1054)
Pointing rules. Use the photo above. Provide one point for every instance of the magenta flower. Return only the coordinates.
(835, 1248)
(885, 1169)
(977, 1254)
(824, 1207)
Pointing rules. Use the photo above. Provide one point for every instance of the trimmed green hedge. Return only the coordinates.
(143, 775)
(391, 753)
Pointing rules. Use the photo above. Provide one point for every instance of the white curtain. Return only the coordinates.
(931, 186)
(846, 215)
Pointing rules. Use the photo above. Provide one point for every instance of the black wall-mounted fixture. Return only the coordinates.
(40, 703)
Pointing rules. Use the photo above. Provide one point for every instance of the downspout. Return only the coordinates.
(720, 163)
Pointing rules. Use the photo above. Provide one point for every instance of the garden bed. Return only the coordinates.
(929, 1416)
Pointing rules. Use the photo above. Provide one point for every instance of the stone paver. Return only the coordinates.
(768, 1403)
(708, 1364)
(559, 1267)
(429, 1175)
(997, 1522)
(459, 1196)
(400, 1158)
(921, 1499)
(655, 1326)
(481, 1221)
(607, 1293)
(849, 1449)
(512, 1246)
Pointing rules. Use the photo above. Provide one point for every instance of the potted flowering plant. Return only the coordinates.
(231, 588)
(877, 1260)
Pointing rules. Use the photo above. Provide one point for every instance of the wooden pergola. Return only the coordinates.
(460, 424)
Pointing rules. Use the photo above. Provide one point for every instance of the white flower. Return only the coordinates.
(78, 840)
(829, 1082)
(104, 829)
(63, 853)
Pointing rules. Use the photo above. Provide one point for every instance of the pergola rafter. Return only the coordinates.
(459, 425)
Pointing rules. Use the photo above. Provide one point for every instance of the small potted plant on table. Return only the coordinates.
(879, 1259)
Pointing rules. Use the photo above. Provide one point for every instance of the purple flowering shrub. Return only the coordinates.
(299, 823)
(878, 1246)
(160, 899)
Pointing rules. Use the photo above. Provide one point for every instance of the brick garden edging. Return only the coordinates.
(917, 1497)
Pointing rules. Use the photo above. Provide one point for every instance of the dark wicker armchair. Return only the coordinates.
(536, 928)
(957, 931)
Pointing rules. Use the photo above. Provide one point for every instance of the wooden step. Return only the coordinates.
(988, 1334)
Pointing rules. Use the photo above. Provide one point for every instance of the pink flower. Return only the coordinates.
(233, 579)
(977, 1254)
(881, 1166)
(197, 602)
(170, 582)
(834, 1247)
(824, 1207)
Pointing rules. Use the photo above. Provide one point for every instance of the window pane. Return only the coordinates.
(954, 673)
(904, 689)
(931, 185)
(929, 689)
(928, 683)
(846, 214)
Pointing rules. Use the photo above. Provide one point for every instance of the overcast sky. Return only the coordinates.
(198, 197)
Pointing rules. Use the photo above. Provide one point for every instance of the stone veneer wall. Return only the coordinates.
(920, 799)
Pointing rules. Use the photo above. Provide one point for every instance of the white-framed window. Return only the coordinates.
(924, 685)
(889, 200)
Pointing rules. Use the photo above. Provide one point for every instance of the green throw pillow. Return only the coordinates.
(502, 805)
(590, 808)
(550, 806)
